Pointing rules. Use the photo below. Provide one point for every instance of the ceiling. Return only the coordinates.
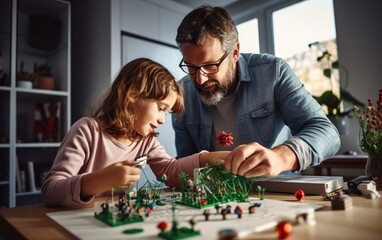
(197, 3)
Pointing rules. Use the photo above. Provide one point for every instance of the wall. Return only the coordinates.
(91, 48)
(359, 41)
(96, 43)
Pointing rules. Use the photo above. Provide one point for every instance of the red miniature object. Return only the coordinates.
(225, 139)
(284, 229)
(238, 211)
(162, 226)
(299, 194)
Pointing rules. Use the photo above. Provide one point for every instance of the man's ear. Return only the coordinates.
(236, 52)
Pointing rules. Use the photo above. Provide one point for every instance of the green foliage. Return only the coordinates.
(328, 98)
(42, 69)
(213, 185)
(370, 122)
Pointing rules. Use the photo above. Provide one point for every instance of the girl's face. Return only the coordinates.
(151, 113)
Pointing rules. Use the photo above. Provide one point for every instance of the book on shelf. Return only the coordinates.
(20, 177)
(47, 122)
(31, 175)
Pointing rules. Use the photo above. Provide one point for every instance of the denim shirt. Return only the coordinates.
(272, 108)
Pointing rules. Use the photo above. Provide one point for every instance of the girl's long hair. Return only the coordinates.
(141, 78)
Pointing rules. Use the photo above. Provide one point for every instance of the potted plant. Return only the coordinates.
(23, 77)
(370, 122)
(3, 78)
(43, 78)
(334, 102)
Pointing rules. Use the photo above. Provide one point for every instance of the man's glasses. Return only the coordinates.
(206, 69)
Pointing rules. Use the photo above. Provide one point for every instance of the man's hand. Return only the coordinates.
(253, 160)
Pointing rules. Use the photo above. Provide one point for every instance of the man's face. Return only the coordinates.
(212, 87)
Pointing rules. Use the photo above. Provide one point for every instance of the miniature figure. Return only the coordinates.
(341, 202)
(251, 209)
(224, 213)
(332, 195)
(299, 194)
(261, 191)
(206, 214)
(228, 208)
(257, 204)
(238, 211)
(217, 207)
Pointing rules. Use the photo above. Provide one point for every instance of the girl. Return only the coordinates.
(98, 151)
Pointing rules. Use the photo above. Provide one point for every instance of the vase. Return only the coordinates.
(374, 169)
(341, 123)
(45, 82)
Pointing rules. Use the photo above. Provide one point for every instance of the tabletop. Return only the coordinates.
(361, 221)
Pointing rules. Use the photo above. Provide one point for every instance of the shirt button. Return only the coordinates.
(265, 110)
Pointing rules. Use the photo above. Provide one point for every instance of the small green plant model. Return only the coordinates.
(214, 185)
(127, 211)
(177, 232)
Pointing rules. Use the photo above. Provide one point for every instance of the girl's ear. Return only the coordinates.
(236, 52)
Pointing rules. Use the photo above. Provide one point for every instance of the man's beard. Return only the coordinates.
(214, 97)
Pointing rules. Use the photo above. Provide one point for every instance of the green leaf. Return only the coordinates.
(328, 98)
(328, 72)
(331, 101)
(346, 96)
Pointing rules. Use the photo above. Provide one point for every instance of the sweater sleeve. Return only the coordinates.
(62, 185)
(161, 163)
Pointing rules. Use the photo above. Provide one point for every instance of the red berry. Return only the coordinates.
(299, 194)
(284, 229)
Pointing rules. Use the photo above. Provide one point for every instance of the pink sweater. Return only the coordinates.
(85, 149)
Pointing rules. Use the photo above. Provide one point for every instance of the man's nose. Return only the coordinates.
(200, 77)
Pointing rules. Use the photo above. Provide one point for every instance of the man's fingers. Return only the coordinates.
(259, 170)
(250, 163)
(235, 158)
(239, 155)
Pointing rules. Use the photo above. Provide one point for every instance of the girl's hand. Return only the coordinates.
(212, 158)
(117, 174)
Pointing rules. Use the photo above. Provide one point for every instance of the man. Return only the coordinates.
(277, 126)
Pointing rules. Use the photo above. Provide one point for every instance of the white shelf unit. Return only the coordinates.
(19, 143)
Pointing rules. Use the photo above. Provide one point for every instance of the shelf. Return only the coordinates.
(38, 145)
(5, 88)
(41, 91)
(19, 194)
(31, 114)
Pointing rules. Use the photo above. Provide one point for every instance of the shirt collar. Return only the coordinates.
(243, 69)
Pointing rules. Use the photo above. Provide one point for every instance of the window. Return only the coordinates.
(249, 36)
(297, 26)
